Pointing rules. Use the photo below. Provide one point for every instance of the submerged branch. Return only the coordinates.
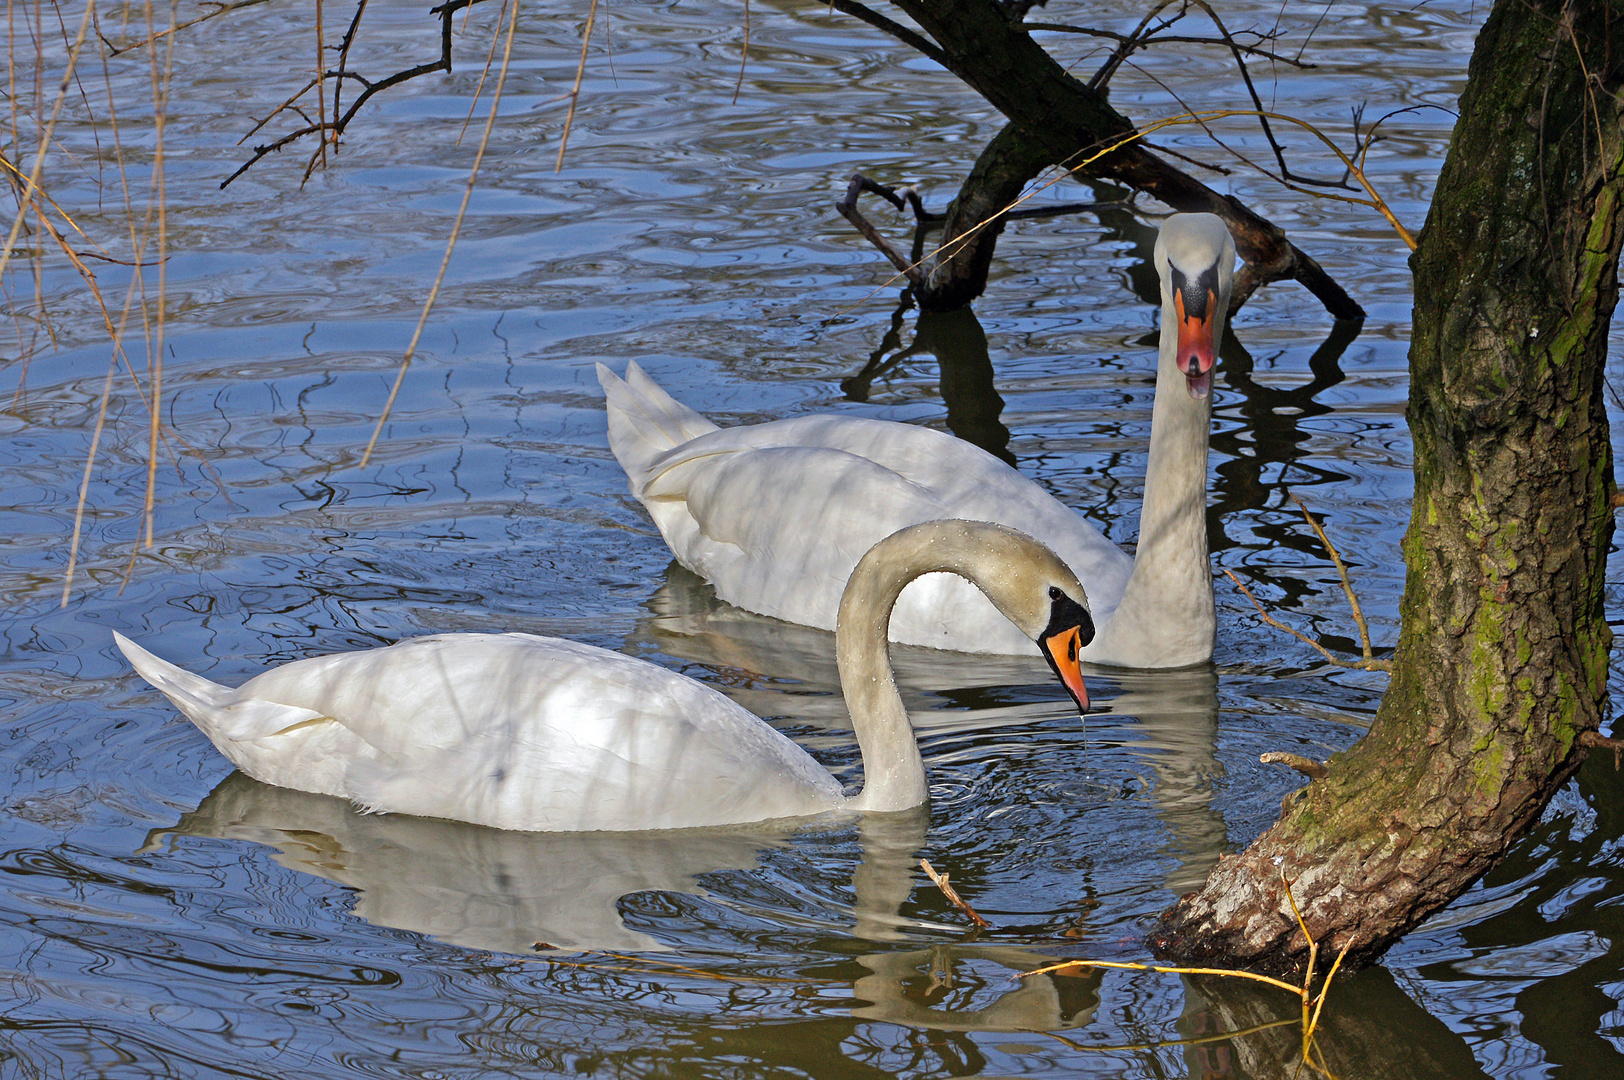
(952, 894)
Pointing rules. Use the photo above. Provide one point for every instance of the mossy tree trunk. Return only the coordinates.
(1502, 657)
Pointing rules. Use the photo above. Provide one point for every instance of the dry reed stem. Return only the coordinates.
(155, 357)
(1342, 572)
(26, 198)
(575, 92)
(484, 72)
(116, 333)
(456, 227)
(84, 482)
(321, 98)
(744, 53)
(1311, 1004)
(952, 894)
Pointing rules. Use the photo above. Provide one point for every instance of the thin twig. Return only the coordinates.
(1298, 634)
(1325, 987)
(219, 9)
(575, 92)
(952, 894)
(744, 53)
(456, 229)
(1128, 965)
(1342, 571)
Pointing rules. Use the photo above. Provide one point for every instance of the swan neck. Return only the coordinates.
(1166, 615)
(893, 770)
(1176, 469)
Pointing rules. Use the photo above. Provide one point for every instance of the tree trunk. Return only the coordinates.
(1502, 658)
(957, 273)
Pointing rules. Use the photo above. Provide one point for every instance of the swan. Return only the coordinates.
(775, 515)
(541, 734)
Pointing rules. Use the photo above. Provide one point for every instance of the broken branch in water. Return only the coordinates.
(952, 894)
(1314, 770)
(1595, 740)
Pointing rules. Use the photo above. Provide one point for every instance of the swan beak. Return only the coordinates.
(1198, 352)
(1061, 651)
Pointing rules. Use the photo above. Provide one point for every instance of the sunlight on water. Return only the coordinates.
(165, 916)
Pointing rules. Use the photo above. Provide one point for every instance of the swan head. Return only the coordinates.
(1039, 594)
(1027, 582)
(1195, 257)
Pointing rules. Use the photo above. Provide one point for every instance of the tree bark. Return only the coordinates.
(1502, 656)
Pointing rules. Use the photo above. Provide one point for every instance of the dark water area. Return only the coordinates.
(163, 916)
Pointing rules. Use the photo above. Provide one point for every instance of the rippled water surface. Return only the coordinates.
(164, 916)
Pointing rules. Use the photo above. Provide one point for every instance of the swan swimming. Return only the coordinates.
(541, 734)
(775, 515)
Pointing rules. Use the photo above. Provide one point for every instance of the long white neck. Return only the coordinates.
(893, 771)
(1167, 606)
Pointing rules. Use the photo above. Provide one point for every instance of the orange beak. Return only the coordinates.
(1198, 352)
(1061, 651)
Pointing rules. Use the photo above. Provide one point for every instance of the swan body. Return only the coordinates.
(775, 515)
(524, 732)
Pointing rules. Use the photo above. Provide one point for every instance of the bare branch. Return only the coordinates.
(848, 210)
(908, 37)
(1595, 740)
(1176, 39)
(1314, 770)
(952, 894)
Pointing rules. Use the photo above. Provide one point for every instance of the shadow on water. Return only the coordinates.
(959, 344)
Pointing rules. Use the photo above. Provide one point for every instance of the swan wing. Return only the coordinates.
(777, 515)
(523, 732)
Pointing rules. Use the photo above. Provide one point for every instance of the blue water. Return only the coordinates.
(162, 916)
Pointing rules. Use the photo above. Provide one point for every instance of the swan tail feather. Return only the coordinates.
(216, 710)
(645, 421)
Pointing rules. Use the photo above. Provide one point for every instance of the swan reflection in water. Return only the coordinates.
(469, 885)
(524, 893)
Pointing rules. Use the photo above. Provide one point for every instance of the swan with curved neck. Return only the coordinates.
(776, 515)
(541, 734)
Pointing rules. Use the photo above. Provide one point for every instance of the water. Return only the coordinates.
(165, 917)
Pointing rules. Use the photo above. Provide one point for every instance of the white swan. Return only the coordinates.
(524, 732)
(776, 515)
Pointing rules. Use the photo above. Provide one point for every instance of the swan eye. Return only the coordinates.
(1054, 593)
